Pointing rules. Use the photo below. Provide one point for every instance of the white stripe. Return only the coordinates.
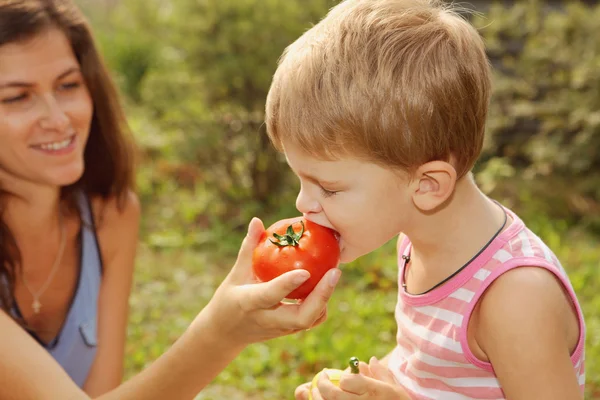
(463, 294)
(439, 313)
(400, 353)
(525, 244)
(428, 335)
(482, 274)
(582, 379)
(458, 382)
(547, 254)
(502, 256)
(578, 364)
(426, 392)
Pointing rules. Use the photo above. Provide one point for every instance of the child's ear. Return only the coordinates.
(433, 183)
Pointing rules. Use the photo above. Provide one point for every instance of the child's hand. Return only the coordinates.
(375, 381)
(244, 311)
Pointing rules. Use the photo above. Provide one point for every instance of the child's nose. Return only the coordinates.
(307, 204)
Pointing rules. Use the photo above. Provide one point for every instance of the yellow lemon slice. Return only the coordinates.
(334, 376)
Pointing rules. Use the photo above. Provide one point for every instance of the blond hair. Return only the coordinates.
(395, 82)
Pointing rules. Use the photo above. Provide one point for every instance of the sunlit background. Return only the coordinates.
(194, 75)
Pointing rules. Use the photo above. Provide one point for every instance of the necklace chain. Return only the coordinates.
(36, 304)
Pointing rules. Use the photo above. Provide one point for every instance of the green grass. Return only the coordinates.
(171, 286)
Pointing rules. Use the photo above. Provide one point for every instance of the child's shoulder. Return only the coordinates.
(525, 307)
(528, 301)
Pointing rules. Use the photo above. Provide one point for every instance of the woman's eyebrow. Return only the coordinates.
(26, 85)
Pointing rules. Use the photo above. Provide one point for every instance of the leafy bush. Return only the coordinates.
(545, 112)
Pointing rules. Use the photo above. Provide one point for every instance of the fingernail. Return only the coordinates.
(373, 360)
(334, 277)
(301, 277)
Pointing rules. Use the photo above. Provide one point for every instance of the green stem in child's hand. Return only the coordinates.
(353, 365)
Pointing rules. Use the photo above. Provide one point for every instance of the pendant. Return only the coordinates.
(36, 306)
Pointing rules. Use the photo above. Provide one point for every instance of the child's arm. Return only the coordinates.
(525, 326)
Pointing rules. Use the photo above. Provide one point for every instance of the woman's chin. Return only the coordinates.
(66, 176)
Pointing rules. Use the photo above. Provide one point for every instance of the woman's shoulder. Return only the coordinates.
(114, 208)
(117, 221)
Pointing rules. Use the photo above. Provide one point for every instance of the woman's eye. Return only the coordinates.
(15, 99)
(70, 85)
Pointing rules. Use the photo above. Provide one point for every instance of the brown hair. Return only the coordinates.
(395, 82)
(108, 157)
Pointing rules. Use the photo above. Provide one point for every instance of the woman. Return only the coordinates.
(69, 225)
(69, 216)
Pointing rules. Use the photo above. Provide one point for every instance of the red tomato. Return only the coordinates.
(296, 243)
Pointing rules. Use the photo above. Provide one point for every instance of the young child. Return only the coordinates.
(380, 110)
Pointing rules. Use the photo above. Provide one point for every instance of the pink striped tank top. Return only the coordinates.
(432, 359)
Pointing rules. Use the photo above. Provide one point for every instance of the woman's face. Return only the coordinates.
(45, 111)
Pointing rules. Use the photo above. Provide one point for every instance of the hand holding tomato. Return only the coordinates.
(243, 311)
(293, 244)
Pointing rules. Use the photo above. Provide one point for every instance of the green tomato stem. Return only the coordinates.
(291, 238)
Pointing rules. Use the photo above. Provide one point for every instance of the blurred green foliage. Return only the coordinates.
(544, 120)
(195, 74)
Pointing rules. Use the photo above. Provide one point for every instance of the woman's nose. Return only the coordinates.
(54, 117)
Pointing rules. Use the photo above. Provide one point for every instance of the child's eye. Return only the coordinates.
(328, 193)
(15, 99)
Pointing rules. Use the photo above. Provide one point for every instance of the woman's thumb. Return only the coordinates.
(244, 259)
